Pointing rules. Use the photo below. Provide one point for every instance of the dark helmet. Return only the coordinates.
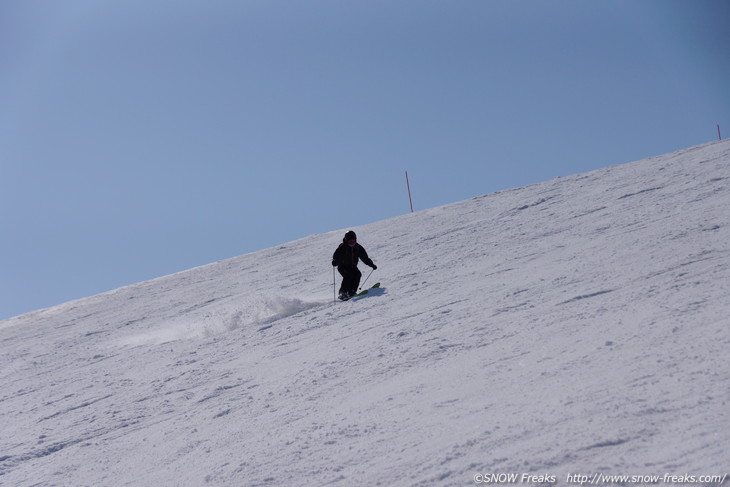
(350, 236)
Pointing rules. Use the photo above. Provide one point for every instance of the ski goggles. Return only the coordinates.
(351, 241)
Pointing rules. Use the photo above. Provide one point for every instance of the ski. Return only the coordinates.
(361, 293)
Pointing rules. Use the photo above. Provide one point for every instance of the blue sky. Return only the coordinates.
(141, 138)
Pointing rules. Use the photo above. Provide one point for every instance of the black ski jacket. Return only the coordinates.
(346, 256)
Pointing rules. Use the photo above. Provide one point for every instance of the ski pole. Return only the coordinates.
(366, 279)
(334, 284)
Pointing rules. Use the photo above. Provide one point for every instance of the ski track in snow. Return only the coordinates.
(574, 326)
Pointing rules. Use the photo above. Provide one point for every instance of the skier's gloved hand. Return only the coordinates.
(374, 266)
(334, 263)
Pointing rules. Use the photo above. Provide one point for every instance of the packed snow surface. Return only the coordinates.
(577, 326)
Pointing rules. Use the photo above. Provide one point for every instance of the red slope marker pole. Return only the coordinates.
(408, 184)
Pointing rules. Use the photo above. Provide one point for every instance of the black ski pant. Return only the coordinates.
(350, 278)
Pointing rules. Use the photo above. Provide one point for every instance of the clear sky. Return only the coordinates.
(140, 138)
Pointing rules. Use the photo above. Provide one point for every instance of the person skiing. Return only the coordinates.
(345, 259)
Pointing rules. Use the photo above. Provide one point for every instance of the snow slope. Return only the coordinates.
(579, 325)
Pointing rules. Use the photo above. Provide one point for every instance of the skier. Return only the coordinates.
(345, 259)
